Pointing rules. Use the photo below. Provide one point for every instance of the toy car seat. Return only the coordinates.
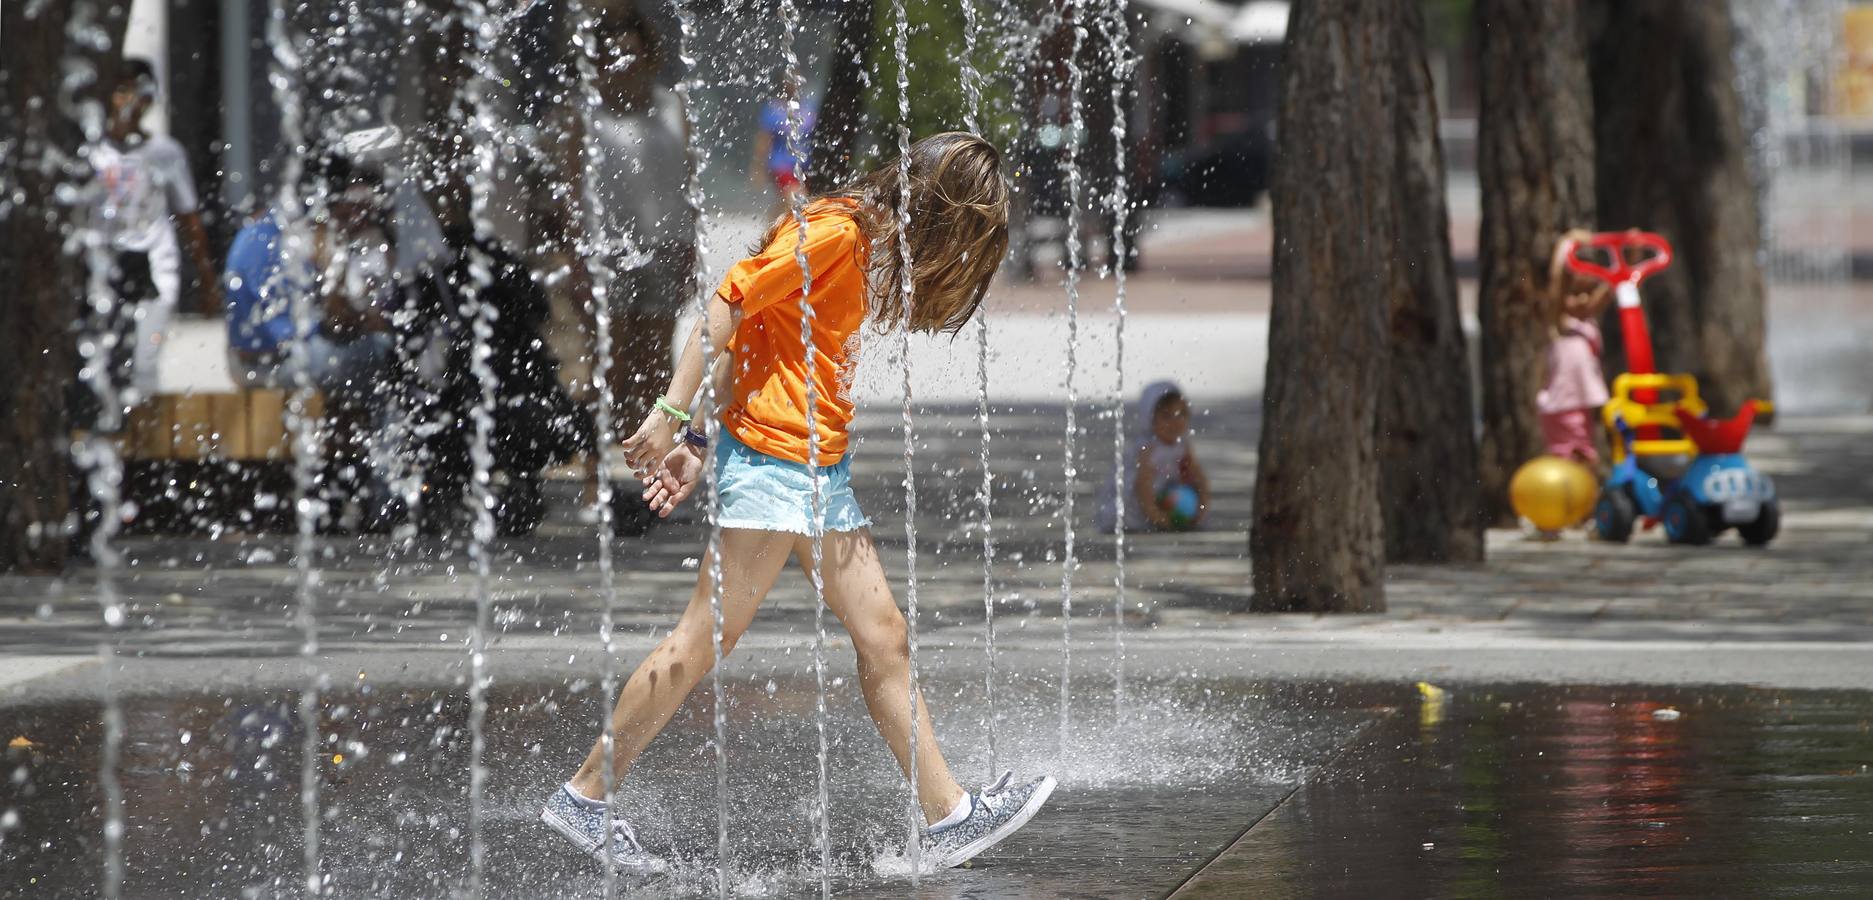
(1664, 457)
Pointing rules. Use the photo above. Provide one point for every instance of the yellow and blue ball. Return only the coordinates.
(1181, 505)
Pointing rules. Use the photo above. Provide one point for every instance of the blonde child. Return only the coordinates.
(1574, 387)
(958, 234)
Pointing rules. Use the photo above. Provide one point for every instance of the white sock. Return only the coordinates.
(582, 799)
(963, 808)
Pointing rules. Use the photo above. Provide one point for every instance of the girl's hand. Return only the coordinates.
(652, 442)
(675, 479)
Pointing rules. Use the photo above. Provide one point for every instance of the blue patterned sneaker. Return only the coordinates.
(584, 825)
(996, 813)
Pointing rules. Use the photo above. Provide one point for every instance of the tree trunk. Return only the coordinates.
(1535, 160)
(1674, 158)
(842, 111)
(1426, 438)
(45, 283)
(1316, 542)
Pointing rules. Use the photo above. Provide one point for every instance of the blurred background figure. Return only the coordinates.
(337, 271)
(1165, 488)
(147, 215)
(773, 161)
(1573, 388)
(647, 232)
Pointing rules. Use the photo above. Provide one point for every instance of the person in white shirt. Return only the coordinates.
(1163, 461)
(146, 215)
(640, 174)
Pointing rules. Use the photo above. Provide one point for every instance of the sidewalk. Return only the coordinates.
(196, 598)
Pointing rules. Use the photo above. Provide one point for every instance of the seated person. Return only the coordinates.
(331, 272)
(305, 305)
(1162, 466)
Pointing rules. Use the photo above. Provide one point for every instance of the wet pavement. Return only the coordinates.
(1207, 788)
(1585, 791)
(212, 786)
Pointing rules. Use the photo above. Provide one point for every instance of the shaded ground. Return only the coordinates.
(234, 595)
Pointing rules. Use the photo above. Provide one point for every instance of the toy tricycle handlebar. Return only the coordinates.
(1621, 270)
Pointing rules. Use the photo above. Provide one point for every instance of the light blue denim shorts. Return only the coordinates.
(773, 494)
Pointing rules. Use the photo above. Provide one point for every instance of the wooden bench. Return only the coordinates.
(244, 426)
(205, 453)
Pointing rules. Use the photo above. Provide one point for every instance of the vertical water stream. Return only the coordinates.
(1076, 131)
(604, 432)
(900, 43)
(1118, 43)
(705, 412)
(790, 19)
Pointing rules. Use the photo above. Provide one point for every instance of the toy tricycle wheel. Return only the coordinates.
(1614, 514)
(1686, 522)
(1763, 530)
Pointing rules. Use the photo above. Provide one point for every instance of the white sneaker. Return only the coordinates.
(996, 813)
(585, 828)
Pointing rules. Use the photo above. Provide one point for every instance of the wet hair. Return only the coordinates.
(1166, 400)
(958, 231)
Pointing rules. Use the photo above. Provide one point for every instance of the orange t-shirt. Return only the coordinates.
(768, 409)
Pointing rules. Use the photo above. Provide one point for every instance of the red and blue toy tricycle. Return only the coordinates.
(1697, 485)
(1672, 464)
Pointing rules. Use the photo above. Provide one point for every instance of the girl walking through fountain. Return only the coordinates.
(957, 234)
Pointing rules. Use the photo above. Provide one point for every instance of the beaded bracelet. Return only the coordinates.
(667, 408)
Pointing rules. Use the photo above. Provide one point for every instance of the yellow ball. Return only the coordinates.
(1552, 492)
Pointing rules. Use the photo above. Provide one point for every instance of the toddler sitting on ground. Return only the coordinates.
(1162, 474)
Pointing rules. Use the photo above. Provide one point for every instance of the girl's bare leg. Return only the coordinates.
(857, 592)
(751, 560)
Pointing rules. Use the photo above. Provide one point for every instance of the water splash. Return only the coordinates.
(972, 116)
(483, 138)
(796, 201)
(1076, 131)
(900, 43)
(97, 457)
(706, 412)
(302, 426)
(1115, 28)
(603, 428)
(1784, 50)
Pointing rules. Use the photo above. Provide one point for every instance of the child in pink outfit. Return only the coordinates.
(1575, 387)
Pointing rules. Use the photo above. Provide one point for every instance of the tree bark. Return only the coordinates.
(1316, 541)
(45, 283)
(1535, 161)
(1426, 438)
(1673, 158)
(842, 111)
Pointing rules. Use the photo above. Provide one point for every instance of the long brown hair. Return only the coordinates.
(958, 231)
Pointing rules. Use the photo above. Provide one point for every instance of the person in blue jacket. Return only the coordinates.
(306, 302)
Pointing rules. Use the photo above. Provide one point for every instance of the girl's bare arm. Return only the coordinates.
(657, 435)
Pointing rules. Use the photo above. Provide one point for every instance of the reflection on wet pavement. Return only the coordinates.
(1580, 791)
(1351, 790)
(212, 787)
